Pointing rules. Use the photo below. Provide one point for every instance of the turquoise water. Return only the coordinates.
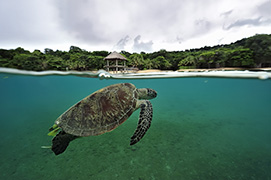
(202, 128)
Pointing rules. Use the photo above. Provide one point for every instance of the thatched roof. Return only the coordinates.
(115, 56)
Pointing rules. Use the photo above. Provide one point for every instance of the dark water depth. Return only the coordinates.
(202, 128)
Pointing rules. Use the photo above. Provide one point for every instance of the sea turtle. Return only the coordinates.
(101, 112)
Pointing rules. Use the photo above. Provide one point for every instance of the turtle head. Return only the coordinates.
(146, 93)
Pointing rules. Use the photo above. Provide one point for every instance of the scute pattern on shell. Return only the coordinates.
(100, 112)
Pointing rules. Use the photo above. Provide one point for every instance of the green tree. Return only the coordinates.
(6, 54)
(54, 63)
(97, 62)
(148, 64)
(49, 51)
(221, 57)
(242, 58)
(188, 61)
(27, 62)
(248, 52)
(207, 57)
(136, 60)
(75, 49)
(161, 63)
(4, 62)
(100, 53)
(20, 50)
(260, 44)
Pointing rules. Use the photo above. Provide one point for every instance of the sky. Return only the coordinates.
(130, 25)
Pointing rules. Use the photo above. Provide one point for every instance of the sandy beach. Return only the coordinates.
(203, 70)
(194, 70)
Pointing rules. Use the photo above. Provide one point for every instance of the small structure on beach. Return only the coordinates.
(115, 62)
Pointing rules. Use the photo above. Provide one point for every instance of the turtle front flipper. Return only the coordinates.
(144, 122)
(61, 142)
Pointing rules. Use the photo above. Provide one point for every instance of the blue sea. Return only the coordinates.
(202, 128)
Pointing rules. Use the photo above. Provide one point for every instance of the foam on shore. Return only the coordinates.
(101, 74)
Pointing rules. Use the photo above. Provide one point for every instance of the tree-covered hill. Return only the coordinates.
(249, 52)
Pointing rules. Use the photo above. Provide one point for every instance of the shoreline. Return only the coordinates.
(261, 73)
(205, 70)
(267, 69)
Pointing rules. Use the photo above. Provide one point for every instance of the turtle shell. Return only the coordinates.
(100, 112)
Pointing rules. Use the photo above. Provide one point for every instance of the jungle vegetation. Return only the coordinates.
(249, 52)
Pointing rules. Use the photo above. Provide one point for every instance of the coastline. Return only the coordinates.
(205, 70)
(183, 70)
(260, 73)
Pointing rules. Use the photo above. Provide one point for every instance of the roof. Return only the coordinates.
(114, 56)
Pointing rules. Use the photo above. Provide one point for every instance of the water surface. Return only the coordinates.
(202, 128)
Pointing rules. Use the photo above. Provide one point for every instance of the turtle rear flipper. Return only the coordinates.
(61, 142)
(144, 122)
(53, 130)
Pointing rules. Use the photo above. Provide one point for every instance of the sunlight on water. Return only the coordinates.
(202, 128)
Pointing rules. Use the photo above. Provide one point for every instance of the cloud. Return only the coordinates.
(179, 39)
(136, 45)
(202, 25)
(80, 20)
(107, 22)
(120, 24)
(265, 8)
(27, 22)
(140, 46)
(122, 43)
(226, 14)
(248, 22)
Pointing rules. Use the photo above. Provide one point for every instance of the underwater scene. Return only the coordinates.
(202, 128)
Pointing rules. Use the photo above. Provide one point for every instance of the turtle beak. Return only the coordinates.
(152, 93)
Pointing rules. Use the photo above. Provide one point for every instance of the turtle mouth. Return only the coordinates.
(154, 94)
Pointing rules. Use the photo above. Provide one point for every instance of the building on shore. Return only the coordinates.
(115, 62)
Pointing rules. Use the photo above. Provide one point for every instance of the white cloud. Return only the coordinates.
(139, 45)
(116, 24)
